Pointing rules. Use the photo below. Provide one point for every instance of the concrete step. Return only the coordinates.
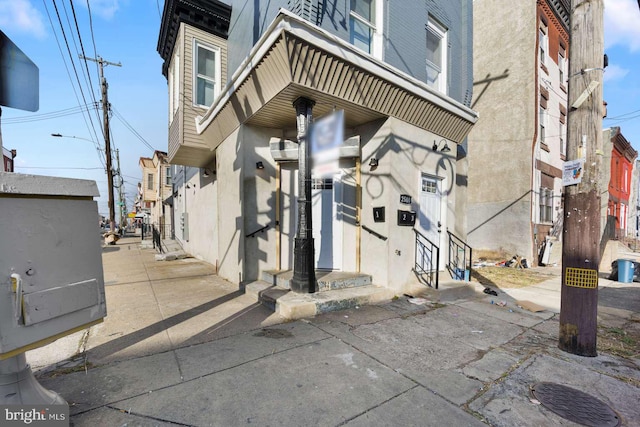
(327, 280)
(448, 291)
(291, 305)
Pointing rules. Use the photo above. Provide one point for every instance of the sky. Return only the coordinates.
(126, 32)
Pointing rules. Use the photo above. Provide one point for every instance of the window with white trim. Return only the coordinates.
(365, 26)
(546, 205)
(563, 139)
(167, 175)
(543, 124)
(562, 68)
(149, 181)
(206, 73)
(436, 56)
(544, 44)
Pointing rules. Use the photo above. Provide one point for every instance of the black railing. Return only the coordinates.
(375, 233)
(157, 239)
(259, 230)
(427, 260)
(460, 258)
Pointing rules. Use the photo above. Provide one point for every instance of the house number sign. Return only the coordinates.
(405, 199)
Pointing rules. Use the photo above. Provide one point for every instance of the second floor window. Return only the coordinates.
(149, 181)
(167, 175)
(206, 74)
(436, 56)
(543, 124)
(362, 24)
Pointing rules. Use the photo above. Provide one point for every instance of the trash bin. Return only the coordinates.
(626, 269)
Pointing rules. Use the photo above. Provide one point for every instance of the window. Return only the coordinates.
(546, 205)
(562, 68)
(365, 26)
(206, 74)
(563, 140)
(544, 44)
(174, 86)
(167, 175)
(543, 124)
(436, 56)
(149, 181)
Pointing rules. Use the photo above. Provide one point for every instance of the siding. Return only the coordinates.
(189, 111)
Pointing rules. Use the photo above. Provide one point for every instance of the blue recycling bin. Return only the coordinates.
(626, 268)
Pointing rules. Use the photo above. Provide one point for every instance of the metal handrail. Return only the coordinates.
(258, 230)
(424, 262)
(375, 233)
(157, 240)
(458, 265)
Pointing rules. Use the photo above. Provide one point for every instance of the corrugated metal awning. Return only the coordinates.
(295, 58)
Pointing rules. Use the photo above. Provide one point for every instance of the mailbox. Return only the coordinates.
(51, 277)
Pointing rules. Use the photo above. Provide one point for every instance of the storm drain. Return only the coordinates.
(575, 405)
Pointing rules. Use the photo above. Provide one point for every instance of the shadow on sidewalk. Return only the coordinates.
(627, 298)
(133, 338)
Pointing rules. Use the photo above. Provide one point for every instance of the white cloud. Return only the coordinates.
(22, 16)
(103, 8)
(614, 72)
(622, 24)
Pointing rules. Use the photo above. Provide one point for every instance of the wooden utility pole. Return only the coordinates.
(107, 136)
(581, 234)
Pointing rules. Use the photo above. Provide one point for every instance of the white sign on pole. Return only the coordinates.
(327, 136)
(572, 172)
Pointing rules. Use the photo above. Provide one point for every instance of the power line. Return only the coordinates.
(133, 131)
(50, 115)
(89, 128)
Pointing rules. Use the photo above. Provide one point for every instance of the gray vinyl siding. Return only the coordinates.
(188, 110)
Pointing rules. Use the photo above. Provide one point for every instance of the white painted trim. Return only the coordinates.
(194, 72)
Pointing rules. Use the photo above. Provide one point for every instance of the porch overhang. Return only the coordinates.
(295, 58)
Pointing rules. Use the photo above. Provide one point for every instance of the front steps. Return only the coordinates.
(342, 290)
(336, 291)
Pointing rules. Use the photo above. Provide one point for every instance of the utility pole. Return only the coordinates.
(581, 237)
(107, 137)
(120, 190)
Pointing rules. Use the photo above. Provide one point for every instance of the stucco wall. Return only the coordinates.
(200, 202)
(404, 153)
(500, 144)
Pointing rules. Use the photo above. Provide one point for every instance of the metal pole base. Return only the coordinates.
(18, 386)
(304, 275)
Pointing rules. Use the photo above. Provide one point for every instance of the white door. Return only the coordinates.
(326, 201)
(429, 221)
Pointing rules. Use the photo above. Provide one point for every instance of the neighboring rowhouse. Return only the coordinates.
(8, 157)
(156, 188)
(517, 148)
(401, 75)
(617, 172)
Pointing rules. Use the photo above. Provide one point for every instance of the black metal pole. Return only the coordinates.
(304, 277)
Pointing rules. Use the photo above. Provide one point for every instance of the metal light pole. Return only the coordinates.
(304, 277)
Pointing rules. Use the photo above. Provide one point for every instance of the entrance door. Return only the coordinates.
(429, 216)
(326, 200)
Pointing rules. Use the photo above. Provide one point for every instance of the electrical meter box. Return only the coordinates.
(51, 278)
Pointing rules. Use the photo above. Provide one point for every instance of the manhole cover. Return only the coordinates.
(575, 405)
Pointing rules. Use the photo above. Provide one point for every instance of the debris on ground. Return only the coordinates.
(490, 291)
(530, 306)
(418, 301)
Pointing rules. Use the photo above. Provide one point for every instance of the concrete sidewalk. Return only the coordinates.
(180, 346)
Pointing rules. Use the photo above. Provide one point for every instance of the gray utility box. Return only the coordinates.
(51, 279)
